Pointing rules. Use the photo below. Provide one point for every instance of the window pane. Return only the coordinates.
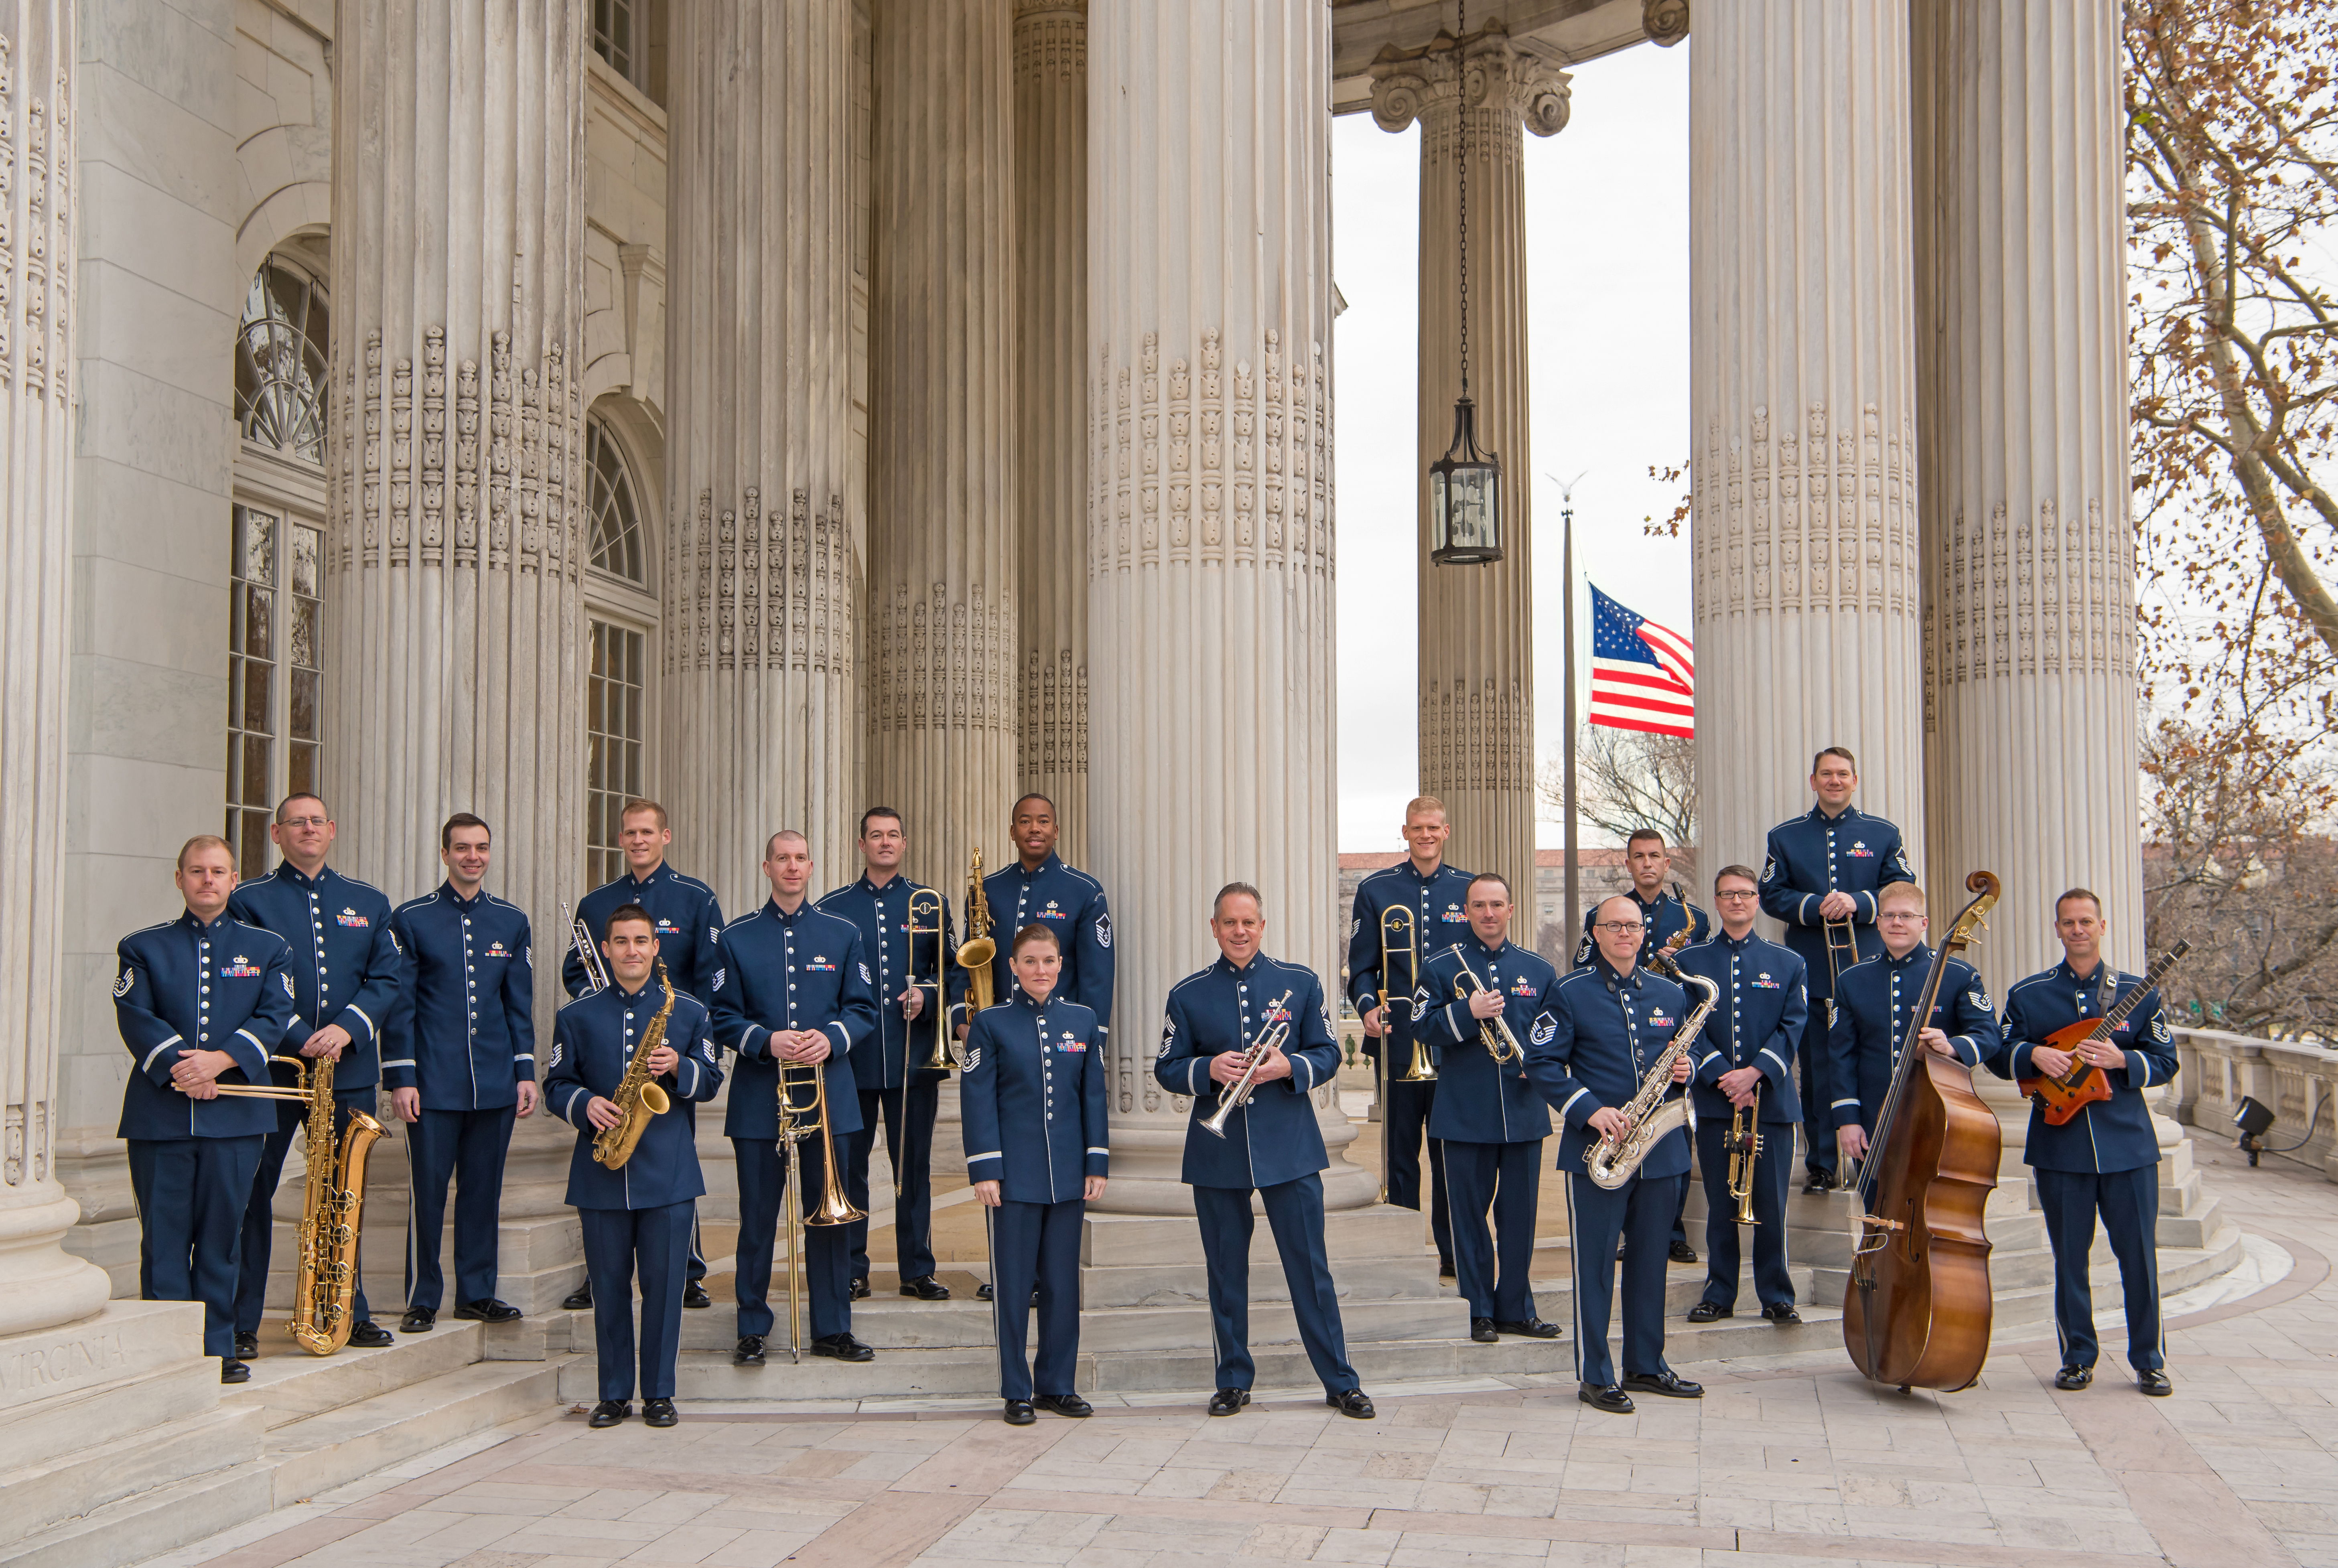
(302, 649)
(308, 544)
(257, 562)
(251, 845)
(279, 363)
(258, 640)
(612, 740)
(258, 711)
(302, 724)
(256, 750)
(303, 775)
(613, 504)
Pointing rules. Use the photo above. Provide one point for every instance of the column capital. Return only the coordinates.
(1665, 22)
(1487, 69)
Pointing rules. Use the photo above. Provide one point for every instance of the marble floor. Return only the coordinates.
(1777, 1465)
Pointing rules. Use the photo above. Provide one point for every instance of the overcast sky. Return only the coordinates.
(1607, 261)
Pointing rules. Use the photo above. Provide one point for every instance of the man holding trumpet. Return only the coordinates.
(1250, 1038)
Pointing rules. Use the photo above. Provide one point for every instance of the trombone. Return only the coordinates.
(1399, 930)
(1237, 1093)
(927, 903)
(597, 974)
(1841, 953)
(799, 1118)
(1494, 1032)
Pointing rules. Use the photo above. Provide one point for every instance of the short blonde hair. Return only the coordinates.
(638, 807)
(1900, 891)
(205, 841)
(1426, 803)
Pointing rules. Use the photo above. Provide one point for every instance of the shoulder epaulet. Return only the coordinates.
(754, 913)
(590, 997)
(1188, 980)
(507, 904)
(416, 902)
(1587, 971)
(688, 881)
(356, 882)
(143, 930)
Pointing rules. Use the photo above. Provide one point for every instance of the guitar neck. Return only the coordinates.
(2117, 1013)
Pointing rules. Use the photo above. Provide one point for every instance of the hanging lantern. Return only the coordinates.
(1465, 485)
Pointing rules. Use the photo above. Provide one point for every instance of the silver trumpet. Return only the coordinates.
(1237, 1093)
(597, 974)
(1494, 1032)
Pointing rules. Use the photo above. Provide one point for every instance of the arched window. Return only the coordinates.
(615, 506)
(280, 362)
(621, 622)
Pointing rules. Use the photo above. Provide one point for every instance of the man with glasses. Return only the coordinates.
(1875, 1017)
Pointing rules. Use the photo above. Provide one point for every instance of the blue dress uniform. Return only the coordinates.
(641, 1211)
(1072, 905)
(2103, 1160)
(185, 985)
(1604, 1033)
(465, 1038)
(1660, 919)
(1875, 1021)
(1807, 858)
(776, 970)
(1041, 1151)
(1272, 1146)
(346, 969)
(1437, 903)
(906, 1100)
(1757, 1023)
(1489, 1119)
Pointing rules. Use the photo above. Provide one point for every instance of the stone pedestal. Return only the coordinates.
(2030, 567)
(1209, 541)
(1476, 622)
(762, 725)
(1804, 409)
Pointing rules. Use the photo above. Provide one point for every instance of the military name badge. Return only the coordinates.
(124, 981)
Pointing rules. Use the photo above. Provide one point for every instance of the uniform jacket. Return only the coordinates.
(1814, 855)
(1757, 1023)
(1605, 1032)
(688, 922)
(465, 1029)
(592, 1042)
(1436, 901)
(1876, 1004)
(183, 986)
(1477, 1100)
(1069, 903)
(345, 966)
(1274, 1138)
(2113, 1134)
(781, 971)
(1038, 1148)
(882, 917)
(1658, 921)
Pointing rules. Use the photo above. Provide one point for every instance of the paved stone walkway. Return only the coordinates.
(1778, 1464)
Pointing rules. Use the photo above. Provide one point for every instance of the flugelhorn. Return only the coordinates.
(1494, 1032)
(1237, 1093)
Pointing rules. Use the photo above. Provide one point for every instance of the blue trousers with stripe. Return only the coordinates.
(657, 1242)
(191, 1193)
(260, 1213)
(1495, 1265)
(1772, 1172)
(467, 1147)
(2128, 1204)
(1294, 1209)
(1036, 1243)
(907, 1114)
(828, 1249)
(1640, 1213)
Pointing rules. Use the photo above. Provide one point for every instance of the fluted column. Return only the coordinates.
(763, 720)
(1476, 622)
(1051, 204)
(456, 529)
(1802, 403)
(942, 506)
(40, 1284)
(2028, 552)
(1209, 535)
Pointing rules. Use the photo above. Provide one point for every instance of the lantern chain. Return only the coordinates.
(1461, 92)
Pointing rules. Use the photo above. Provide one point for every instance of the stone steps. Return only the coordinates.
(338, 1444)
(81, 1479)
(147, 1524)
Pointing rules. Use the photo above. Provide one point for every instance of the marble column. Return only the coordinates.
(1051, 192)
(1476, 622)
(1210, 528)
(766, 538)
(2027, 548)
(943, 497)
(42, 1285)
(1803, 412)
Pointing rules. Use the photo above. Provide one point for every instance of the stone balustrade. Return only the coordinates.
(2297, 1080)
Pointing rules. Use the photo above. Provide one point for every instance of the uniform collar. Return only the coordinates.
(1633, 895)
(288, 872)
(1818, 814)
(1025, 998)
(1413, 871)
(1922, 953)
(1053, 862)
(2075, 978)
(1607, 971)
(653, 879)
(1739, 943)
(447, 891)
(191, 921)
(1488, 949)
(897, 882)
(617, 987)
(1225, 965)
(771, 907)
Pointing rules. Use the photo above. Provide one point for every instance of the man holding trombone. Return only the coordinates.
(1249, 1039)
(901, 1066)
(791, 995)
(1480, 1000)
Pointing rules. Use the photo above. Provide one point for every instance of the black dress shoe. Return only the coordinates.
(843, 1347)
(1226, 1401)
(233, 1371)
(1445, 1269)
(1481, 1329)
(1683, 1252)
(658, 1412)
(749, 1351)
(982, 1291)
(860, 1291)
(926, 1287)
(1019, 1413)
(1781, 1313)
(579, 1300)
(1530, 1329)
(1669, 1383)
(1606, 1396)
(420, 1320)
(1351, 1402)
(2154, 1383)
(2070, 1379)
(1819, 1181)
(1710, 1313)
(487, 1309)
(609, 1412)
(372, 1336)
(247, 1346)
(1070, 1405)
(693, 1296)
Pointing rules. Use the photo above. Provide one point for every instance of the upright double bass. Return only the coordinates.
(1917, 1312)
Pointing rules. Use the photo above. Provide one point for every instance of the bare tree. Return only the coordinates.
(1627, 780)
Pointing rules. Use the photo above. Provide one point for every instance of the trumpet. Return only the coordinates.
(1494, 1032)
(1744, 1149)
(927, 903)
(580, 940)
(975, 953)
(803, 1114)
(1237, 1093)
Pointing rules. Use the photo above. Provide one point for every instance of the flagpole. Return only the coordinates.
(1567, 792)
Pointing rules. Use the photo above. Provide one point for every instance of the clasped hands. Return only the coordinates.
(1227, 1066)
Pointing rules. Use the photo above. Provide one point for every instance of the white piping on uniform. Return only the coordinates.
(158, 1050)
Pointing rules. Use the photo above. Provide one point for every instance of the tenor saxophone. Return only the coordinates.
(1649, 1115)
(324, 1285)
(637, 1096)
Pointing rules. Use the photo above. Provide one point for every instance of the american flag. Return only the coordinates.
(1642, 675)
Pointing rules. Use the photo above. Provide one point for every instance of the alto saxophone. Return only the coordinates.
(1649, 1116)
(636, 1097)
(324, 1285)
